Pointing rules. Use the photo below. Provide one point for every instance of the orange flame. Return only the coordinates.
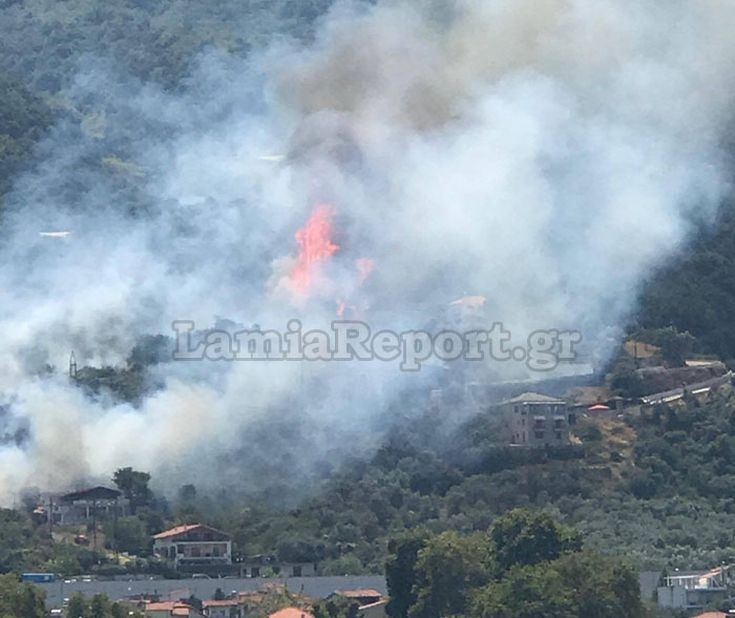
(315, 246)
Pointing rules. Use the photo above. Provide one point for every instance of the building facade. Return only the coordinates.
(192, 546)
(85, 506)
(533, 419)
(697, 590)
(225, 608)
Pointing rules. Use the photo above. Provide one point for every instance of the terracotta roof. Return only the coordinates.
(176, 531)
(162, 606)
(711, 615)
(291, 612)
(221, 603)
(177, 608)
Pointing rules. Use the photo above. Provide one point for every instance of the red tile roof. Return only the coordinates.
(291, 612)
(162, 606)
(221, 603)
(177, 608)
(175, 531)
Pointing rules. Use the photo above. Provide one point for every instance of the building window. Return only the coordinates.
(255, 572)
(558, 435)
(539, 435)
(297, 571)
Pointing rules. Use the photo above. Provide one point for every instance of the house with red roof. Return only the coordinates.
(291, 612)
(171, 609)
(193, 546)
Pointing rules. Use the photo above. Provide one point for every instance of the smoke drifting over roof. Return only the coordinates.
(547, 154)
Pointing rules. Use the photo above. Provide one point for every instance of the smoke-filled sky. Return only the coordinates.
(546, 154)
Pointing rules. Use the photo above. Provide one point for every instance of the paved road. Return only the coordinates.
(173, 589)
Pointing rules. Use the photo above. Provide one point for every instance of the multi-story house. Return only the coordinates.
(533, 419)
(193, 545)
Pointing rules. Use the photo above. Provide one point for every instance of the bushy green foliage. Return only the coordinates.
(99, 606)
(19, 600)
(336, 608)
(47, 42)
(448, 567)
(526, 565)
(695, 292)
(134, 486)
(400, 571)
(647, 511)
(678, 479)
(23, 119)
(576, 585)
(128, 534)
(688, 450)
(525, 538)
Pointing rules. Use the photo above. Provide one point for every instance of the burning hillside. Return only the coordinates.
(547, 154)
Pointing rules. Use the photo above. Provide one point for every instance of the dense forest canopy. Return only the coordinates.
(45, 43)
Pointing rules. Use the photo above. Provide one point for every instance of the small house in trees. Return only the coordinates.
(193, 545)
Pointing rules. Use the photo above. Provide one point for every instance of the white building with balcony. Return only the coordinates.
(193, 545)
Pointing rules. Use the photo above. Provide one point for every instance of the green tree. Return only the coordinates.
(23, 119)
(526, 537)
(129, 534)
(134, 485)
(524, 592)
(448, 567)
(100, 607)
(78, 607)
(400, 572)
(581, 584)
(18, 600)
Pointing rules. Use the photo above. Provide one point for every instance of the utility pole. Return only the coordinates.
(114, 533)
(94, 525)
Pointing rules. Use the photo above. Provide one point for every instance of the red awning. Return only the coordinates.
(598, 407)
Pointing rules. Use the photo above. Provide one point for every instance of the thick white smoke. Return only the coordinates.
(546, 154)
